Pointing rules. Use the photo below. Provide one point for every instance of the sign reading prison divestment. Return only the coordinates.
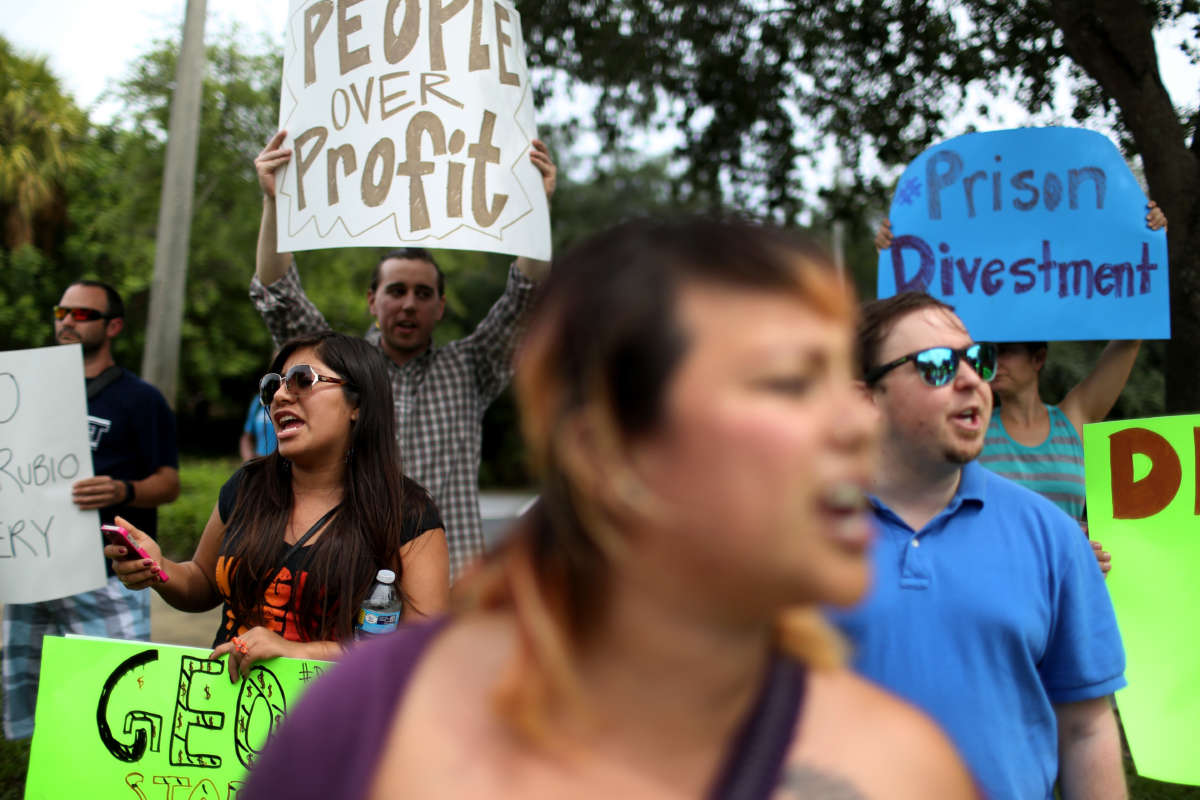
(1032, 234)
(48, 547)
(410, 125)
(1143, 505)
(118, 719)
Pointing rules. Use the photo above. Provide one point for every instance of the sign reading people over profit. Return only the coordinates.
(1143, 504)
(410, 125)
(1031, 234)
(48, 547)
(136, 720)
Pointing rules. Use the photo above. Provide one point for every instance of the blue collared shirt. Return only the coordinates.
(986, 618)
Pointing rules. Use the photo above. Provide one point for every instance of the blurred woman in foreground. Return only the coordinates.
(650, 628)
(297, 537)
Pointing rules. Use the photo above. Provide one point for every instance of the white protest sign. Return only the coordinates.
(48, 547)
(410, 125)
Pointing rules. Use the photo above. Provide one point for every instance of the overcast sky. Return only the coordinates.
(90, 45)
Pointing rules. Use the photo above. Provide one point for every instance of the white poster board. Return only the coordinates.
(48, 547)
(410, 125)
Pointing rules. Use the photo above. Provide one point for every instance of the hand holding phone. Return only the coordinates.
(118, 536)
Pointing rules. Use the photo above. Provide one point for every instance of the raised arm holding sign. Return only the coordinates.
(368, 94)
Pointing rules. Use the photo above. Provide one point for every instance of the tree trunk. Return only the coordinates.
(1111, 40)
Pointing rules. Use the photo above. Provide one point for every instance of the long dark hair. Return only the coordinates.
(363, 536)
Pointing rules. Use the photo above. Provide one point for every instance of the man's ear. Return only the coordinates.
(441, 309)
(114, 327)
(371, 301)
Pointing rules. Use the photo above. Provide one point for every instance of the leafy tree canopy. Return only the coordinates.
(758, 87)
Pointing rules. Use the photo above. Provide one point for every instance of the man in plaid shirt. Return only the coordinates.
(440, 393)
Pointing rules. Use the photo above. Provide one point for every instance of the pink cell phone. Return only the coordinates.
(116, 535)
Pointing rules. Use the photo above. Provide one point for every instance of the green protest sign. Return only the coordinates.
(1142, 504)
(147, 721)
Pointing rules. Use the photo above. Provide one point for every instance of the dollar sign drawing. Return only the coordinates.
(207, 693)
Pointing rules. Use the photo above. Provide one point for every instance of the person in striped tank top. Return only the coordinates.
(1039, 445)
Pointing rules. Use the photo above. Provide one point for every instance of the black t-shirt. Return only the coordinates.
(132, 434)
(420, 515)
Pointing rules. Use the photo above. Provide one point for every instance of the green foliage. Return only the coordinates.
(758, 90)
(1070, 362)
(181, 523)
(115, 209)
(38, 128)
(25, 300)
(14, 762)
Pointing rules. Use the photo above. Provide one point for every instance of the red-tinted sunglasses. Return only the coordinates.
(78, 314)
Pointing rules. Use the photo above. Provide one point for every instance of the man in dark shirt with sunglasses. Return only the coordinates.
(135, 463)
(988, 610)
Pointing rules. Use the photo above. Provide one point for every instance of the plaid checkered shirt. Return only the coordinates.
(440, 397)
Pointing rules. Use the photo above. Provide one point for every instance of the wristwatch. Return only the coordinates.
(129, 493)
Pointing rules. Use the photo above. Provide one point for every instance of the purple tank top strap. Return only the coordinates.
(756, 756)
(330, 745)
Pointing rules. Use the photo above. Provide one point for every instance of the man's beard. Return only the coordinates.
(961, 456)
(90, 347)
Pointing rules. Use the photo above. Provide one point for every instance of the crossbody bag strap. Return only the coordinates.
(102, 381)
(309, 534)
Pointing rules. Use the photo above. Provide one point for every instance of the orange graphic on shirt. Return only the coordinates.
(278, 604)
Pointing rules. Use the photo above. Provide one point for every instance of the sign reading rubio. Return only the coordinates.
(410, 124)
(1032, 234)
(152, 721)
(48, 547)
(1143, 501)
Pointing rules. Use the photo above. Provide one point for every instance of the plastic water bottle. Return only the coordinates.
(380, 612)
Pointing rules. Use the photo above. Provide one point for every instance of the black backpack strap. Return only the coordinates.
(753, 762)
(102, 381)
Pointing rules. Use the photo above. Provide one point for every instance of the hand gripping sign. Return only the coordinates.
(1032, 234)
(140, 720)
(410, 125)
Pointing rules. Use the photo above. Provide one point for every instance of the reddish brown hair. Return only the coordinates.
(604, 344)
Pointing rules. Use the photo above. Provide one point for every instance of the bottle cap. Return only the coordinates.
(385, 576)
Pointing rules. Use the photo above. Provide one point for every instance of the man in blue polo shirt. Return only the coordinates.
(988, 609)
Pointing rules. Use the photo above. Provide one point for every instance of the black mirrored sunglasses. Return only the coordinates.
(299, 380)
(937, 366)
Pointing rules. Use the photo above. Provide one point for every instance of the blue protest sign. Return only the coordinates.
(1031, 234)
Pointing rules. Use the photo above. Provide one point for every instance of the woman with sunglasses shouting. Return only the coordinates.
(297, 537)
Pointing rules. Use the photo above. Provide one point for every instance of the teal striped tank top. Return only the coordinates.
(1053, 469)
